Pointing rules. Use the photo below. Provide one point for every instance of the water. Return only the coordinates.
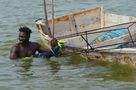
(63, 73)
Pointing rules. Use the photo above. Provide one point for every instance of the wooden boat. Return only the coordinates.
(81, 32)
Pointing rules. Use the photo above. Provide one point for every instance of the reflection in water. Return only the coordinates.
(122, 73)
(55, 63)
(55, 67)
(23, 67)
(113, 71)
(26, 64)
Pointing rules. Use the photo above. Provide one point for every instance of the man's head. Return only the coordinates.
(24, 34)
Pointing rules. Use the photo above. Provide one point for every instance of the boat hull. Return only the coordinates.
(123, 56)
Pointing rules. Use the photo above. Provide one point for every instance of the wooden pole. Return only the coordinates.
(46, 19)
(53, 18)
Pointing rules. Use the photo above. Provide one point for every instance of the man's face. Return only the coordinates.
(23, 38)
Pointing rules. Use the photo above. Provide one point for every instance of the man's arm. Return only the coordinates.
(40, 48)
(13, 53)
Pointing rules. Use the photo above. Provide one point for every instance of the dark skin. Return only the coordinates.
(25, 48)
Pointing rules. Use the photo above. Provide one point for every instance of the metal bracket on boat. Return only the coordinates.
(130, 34)
(86, 40)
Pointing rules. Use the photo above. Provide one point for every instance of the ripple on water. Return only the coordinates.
(68, 73)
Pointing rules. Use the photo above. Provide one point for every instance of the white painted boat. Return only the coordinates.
(82, 31)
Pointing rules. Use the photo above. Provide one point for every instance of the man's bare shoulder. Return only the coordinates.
(35, 44)
(15, 48)
(15, 45)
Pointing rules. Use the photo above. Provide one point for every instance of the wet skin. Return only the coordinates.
(24, 48)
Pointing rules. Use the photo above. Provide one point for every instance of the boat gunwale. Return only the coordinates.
(91, 31)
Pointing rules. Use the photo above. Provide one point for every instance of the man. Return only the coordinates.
(25, 48)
